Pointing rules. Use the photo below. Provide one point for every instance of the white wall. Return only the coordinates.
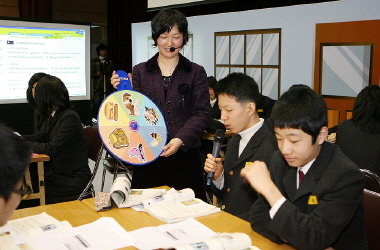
(298, 33)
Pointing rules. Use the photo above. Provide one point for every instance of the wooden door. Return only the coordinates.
(361, 36)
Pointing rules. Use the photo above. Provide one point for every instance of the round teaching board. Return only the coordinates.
(132, 127)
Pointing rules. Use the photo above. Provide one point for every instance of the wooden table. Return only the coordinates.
(40, 159)
(75, 212)
(83, 212)
(130, 220)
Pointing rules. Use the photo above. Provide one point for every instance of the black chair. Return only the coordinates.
(94, 151)
(372, 218)
(372, 180)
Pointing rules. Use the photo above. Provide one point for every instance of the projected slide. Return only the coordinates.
(28, 50)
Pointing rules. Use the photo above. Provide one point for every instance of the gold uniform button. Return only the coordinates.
(228, 190)
(231, 172)
(223, 206)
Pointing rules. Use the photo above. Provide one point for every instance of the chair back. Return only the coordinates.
(94, 152)
(93, 142)
(372, 218)
(372, 180)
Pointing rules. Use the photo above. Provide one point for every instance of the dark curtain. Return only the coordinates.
(36, 9)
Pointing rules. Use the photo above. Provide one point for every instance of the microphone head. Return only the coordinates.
(219, 135)
(172, 49)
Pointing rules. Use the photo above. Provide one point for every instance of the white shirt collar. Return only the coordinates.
(247, 134)
(212, 102)
(307, 166)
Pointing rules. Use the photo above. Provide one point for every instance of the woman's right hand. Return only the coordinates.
(214, 165)
(114, 79)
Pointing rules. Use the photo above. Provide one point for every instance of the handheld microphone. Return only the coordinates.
(218, 140)
(172, 49)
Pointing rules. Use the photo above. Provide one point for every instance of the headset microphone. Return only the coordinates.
(172, 49)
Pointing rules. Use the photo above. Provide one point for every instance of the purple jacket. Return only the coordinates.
(187, 108)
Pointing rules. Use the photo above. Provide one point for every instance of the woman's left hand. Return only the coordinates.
(172, 147)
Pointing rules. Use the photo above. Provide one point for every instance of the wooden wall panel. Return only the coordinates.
(333, 117)
(80, 11)
(347, 32)
(94, 18)
(9, 8)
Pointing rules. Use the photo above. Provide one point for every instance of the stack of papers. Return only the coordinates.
(45, 232)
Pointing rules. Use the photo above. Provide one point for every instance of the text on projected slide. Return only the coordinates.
(28, 50)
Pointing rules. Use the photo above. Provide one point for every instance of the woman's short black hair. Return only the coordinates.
(165, 20)
(51, 94)
(366, 112)
(301, 108)
(15, 156)
(35, 78)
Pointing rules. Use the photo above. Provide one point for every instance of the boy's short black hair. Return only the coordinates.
(165, 20)
(301, 108)
(15, 156)
(241, 86)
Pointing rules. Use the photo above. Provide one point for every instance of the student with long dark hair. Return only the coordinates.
(359, 137)
(37, 121)
(61, 137)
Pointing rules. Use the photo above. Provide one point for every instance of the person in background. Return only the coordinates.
(15, 155)
(359, 137)
(214, 122)
(312, 195)
(179, 89)
(37, 121)
(238, 94)
(215, 111)
(265, 106)
(62, 138)
(101, 70)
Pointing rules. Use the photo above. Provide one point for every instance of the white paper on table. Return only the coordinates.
(170, 235)
(40, 224)
(226, 241)
(6, 239)
(104, 233)
(138, 208)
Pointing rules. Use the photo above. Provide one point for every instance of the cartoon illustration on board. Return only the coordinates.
(156, 139)
(131, 105)
(151, 116)
(118, 138)
(138, 152)
(111, 111)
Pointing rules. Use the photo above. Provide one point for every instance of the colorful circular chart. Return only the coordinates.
(132, 127)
